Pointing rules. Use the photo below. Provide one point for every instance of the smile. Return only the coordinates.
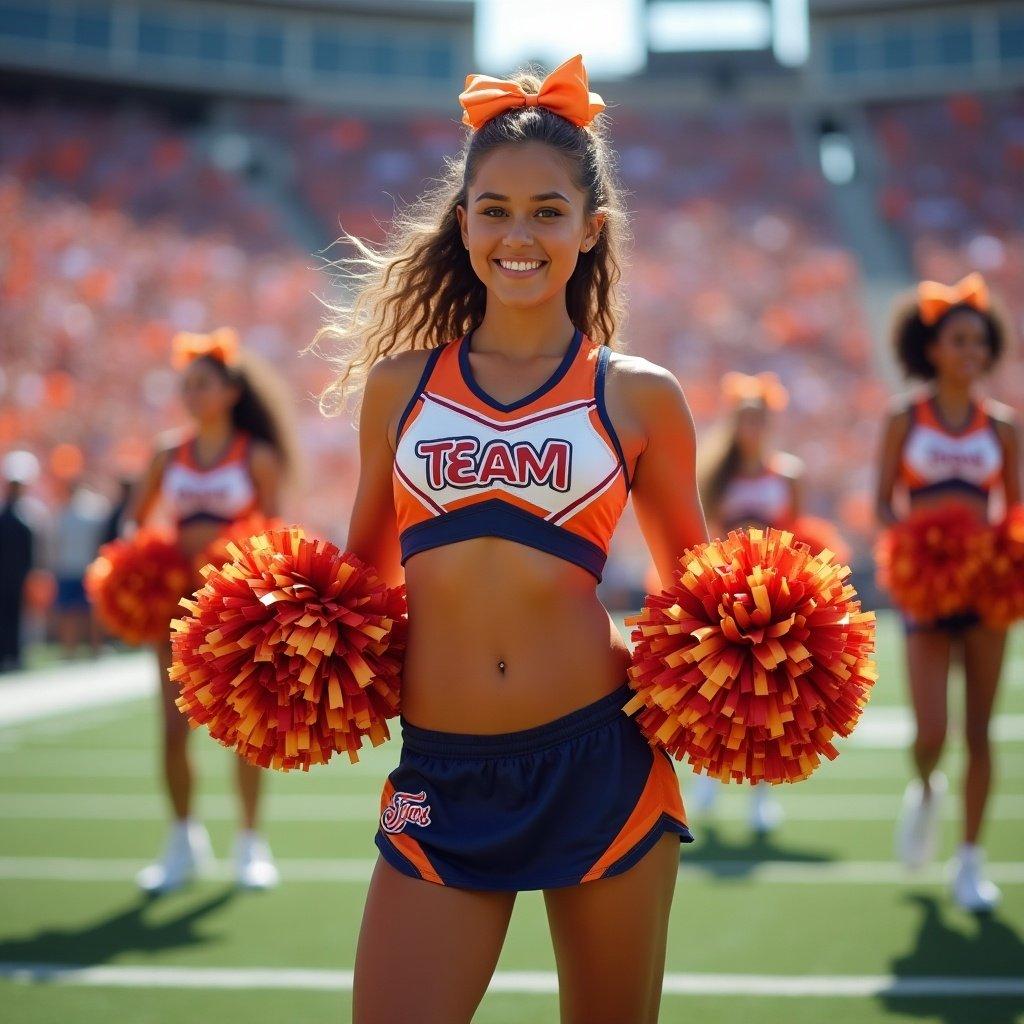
(520, 267)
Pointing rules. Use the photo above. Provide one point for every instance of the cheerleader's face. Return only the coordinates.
(205, 393)
(960, 352)
(525, 224)
(751, 429)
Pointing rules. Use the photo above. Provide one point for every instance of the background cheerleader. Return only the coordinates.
(231, 464)
(746, 482)
(945, 447)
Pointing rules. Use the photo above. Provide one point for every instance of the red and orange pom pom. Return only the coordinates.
(821, 535)
(1000, 593)
(753, 659)
(930, 562)
(217, 552)
(135, 585)
(291, 651)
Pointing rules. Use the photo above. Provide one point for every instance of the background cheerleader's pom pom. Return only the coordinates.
(135, 585)
(821, 535)
(291, 651)
(216, 553)
(931, 562)
(754, 658)
(1000, 593)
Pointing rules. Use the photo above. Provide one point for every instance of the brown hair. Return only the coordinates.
(419, 290)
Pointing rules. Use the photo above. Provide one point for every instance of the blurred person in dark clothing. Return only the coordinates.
(16, 555)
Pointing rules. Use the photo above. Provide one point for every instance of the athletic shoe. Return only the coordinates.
(971, 890)
(186, 854)
(765, 811)
(917, 833)
(254, 863)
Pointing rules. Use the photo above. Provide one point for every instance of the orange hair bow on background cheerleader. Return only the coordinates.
(948, 467)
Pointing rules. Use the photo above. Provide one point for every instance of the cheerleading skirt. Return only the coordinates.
(951, 625)
(577, 799)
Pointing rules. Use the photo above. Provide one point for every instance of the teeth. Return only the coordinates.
(520, 265)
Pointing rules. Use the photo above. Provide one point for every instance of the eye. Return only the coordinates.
(493, 211)
(549, 212)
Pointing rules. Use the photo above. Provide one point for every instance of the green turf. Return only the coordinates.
(724, 919)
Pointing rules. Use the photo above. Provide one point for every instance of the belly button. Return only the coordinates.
(501, 667)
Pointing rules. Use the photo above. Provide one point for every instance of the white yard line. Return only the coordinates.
(358, 869)
(285, 807)
(519, 982)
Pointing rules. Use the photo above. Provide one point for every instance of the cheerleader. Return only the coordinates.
(746, 483)
(944, 445)
(232, 464)
(500, 436)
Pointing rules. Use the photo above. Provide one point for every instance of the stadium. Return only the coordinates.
(173, 166)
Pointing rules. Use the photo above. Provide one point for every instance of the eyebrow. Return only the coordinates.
(534, 199)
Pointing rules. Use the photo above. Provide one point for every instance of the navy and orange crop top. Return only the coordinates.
(546, 471)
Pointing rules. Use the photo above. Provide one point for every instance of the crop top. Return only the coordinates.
(546, 471)
(935, 459)
(219, 493)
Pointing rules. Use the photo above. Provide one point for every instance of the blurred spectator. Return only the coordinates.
(20, 469)
(78, 529)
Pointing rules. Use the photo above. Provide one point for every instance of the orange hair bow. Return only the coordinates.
(761, 387)
(221, 345)
(934, 300)
(566, 92)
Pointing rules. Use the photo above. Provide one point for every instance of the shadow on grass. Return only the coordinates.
(138, 928)
(720, 857)
(989, 947)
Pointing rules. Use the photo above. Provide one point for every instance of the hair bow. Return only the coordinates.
(566, 92)
(934, 300)
(221, 345)
(762, 387)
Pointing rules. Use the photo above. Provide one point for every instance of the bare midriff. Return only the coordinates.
(503, 637)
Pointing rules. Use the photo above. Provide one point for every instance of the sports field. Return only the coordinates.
(817, 924)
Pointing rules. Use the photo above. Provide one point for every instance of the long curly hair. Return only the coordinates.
(419, 290)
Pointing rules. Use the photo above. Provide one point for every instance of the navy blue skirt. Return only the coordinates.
(577, 799)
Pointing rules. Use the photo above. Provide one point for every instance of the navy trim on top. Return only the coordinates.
(563, 368)
(428, 369)
(603, 356)
(496, 518)
(953, 483)
(940, 416)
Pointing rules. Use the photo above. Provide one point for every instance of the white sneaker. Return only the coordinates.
(186, 854)
(971, 890)
(917, 833)
(254, 863)
(765, 811)
(703, 794)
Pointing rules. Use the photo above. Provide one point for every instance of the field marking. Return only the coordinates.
(284, 807)
(358, 869)
(518, 982)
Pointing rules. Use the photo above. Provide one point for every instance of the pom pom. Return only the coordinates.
(753, 659)
(821, 535)
(217, 552)
(291, 651)
(1000, 596)
(135, 585)
(930, 562)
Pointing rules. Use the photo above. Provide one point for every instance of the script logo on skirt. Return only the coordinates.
(405, 809)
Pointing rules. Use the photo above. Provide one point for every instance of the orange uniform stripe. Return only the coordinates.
(406, 845)
(660, 796)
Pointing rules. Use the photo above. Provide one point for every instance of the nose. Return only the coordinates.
(518, 233)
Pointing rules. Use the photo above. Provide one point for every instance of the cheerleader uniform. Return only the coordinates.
(218, 493)
(940, 464)
(576, 799)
